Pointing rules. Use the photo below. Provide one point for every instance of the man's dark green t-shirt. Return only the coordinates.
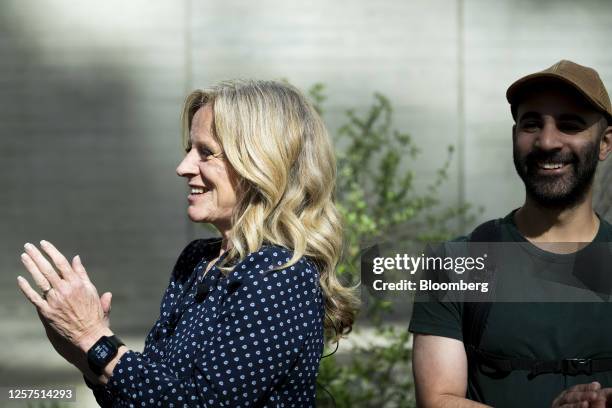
(542, 331)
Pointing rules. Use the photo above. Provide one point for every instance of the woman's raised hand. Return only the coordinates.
(69, 303)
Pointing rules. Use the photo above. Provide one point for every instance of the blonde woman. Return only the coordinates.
(242, 321)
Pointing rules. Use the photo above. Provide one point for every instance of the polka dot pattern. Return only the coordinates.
(254, 340)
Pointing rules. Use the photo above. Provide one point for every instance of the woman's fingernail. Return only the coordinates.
(78, 258)
(27, 245)
(43, 242)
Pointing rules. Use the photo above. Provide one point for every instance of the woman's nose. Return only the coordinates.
(187, 166)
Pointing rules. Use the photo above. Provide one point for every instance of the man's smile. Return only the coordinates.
(552, 168)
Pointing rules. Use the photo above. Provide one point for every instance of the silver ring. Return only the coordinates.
(44, 292)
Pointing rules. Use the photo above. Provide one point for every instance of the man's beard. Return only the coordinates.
(558, 191)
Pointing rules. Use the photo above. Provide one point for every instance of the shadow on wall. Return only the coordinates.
(64, 116)
(73, 170)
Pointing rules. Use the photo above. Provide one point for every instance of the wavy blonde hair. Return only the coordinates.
(277, 144)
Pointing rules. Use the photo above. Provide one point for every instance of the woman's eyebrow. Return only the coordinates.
(194, 143)
(198, 144)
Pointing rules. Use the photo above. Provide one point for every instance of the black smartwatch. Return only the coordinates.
(101, 353)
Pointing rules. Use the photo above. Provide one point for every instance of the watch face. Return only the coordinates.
(103, 349)
(102, 352)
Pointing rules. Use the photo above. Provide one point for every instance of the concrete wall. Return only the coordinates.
(91, 93)
(504, 40)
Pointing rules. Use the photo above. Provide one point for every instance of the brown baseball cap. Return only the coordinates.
(583, 79)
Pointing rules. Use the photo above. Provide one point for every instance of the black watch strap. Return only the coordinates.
(91, 385)
(116, 341)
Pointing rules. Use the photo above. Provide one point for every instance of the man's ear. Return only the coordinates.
(605, 145)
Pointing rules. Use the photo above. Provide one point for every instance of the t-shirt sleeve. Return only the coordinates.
(267, 321)
(437, 318)
(430, 314)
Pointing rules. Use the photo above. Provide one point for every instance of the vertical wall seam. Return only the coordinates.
(188, 82)
(187, 23)
(461, 110)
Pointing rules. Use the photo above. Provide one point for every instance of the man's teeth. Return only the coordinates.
(195, 190)
(551, 166)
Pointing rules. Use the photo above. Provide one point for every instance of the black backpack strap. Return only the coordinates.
(500, 366)
(475, 314)
(490, 231)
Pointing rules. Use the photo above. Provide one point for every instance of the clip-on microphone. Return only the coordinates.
(202, 291)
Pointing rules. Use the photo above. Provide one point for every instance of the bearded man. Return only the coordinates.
(532, 354)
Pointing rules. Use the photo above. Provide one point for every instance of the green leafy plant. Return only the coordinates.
(377, 197)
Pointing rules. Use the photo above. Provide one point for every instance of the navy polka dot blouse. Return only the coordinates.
(251, 339)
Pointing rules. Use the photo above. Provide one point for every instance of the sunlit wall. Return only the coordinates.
(91, 95)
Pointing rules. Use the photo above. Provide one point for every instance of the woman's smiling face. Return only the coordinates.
(213, 182)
